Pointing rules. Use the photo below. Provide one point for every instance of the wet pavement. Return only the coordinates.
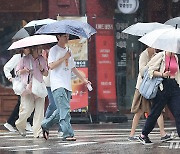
(104, 138)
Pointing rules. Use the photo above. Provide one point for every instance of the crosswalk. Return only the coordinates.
(86, 138)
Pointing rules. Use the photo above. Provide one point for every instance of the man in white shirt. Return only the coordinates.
(62, 64)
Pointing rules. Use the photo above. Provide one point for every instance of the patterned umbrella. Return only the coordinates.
(73, 27)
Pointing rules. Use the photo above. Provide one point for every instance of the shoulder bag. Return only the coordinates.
(18, 86)
(39, 88)
(149, 86)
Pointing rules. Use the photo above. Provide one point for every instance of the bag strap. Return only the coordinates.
(169, 63)
(30, 74)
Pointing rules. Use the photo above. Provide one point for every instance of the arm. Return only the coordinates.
(76, 72)
(20, 69)
(154, 66)
(159, 74)
(10, 65)
(43, 66)
(55, 64)
(143, 60)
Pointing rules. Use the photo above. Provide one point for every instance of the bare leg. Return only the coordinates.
(160, 122)
(135, 122)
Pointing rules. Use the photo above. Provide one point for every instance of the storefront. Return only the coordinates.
(128, 48)
(14, 14)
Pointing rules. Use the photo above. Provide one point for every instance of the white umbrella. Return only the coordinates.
(34, 25)
(167, 39)
(32, 41)
(173, 22)
(22, 33)
(40, 22)
(140, 29)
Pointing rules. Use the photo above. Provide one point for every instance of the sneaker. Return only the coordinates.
(40, 135)
(145, 140)
(9, 127)
(166, 138)
(22, 133)
(132, 138)
(29, 127)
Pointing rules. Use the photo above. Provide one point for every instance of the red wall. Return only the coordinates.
(63, 8)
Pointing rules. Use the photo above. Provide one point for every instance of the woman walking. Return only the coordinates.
(140, 105)
(164, 64)
(32, 65)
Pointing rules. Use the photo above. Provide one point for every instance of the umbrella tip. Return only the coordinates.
(176, 26)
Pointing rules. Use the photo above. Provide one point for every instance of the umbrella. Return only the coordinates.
(140, 29)
(173, 22)
(32, 41)
(73, 27)
(30, 28)
(34, 25)
(22, 33)
(167, 39)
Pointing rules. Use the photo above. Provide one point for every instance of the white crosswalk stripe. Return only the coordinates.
(90, 137)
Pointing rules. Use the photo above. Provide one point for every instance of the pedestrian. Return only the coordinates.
(61, 64)
(51, 106)
(31, 65)
(140, 105)
(164, 64)
(8, 67)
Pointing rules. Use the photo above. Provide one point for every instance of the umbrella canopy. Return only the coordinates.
(22, 33)
(140, 29)
(34, 25)
(40, 22)
(72, 27)
(173, 22)
(167, 39)
(33, 41)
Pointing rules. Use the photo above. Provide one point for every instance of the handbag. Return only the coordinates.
(149, 86)
(39, 88)
(18, 86)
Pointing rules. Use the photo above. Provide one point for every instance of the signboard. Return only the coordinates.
(128, 6)
(105, 65)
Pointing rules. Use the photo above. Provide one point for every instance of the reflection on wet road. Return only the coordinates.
(91, 138)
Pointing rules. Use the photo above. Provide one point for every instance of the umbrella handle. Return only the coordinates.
(176, 26)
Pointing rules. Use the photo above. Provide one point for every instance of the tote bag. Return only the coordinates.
(149, 86)
(18, 86)
(39, 88)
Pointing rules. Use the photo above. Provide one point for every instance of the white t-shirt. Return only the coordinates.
(61, 75)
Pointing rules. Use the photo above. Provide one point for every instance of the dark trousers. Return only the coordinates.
(15, 115)
(170, 96)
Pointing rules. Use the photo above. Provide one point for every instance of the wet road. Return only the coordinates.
(91, 139)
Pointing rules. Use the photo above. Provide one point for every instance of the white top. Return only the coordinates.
(61, 75)
(11, 64)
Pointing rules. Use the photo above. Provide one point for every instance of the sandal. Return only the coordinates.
(69, 139)
(45, 133)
